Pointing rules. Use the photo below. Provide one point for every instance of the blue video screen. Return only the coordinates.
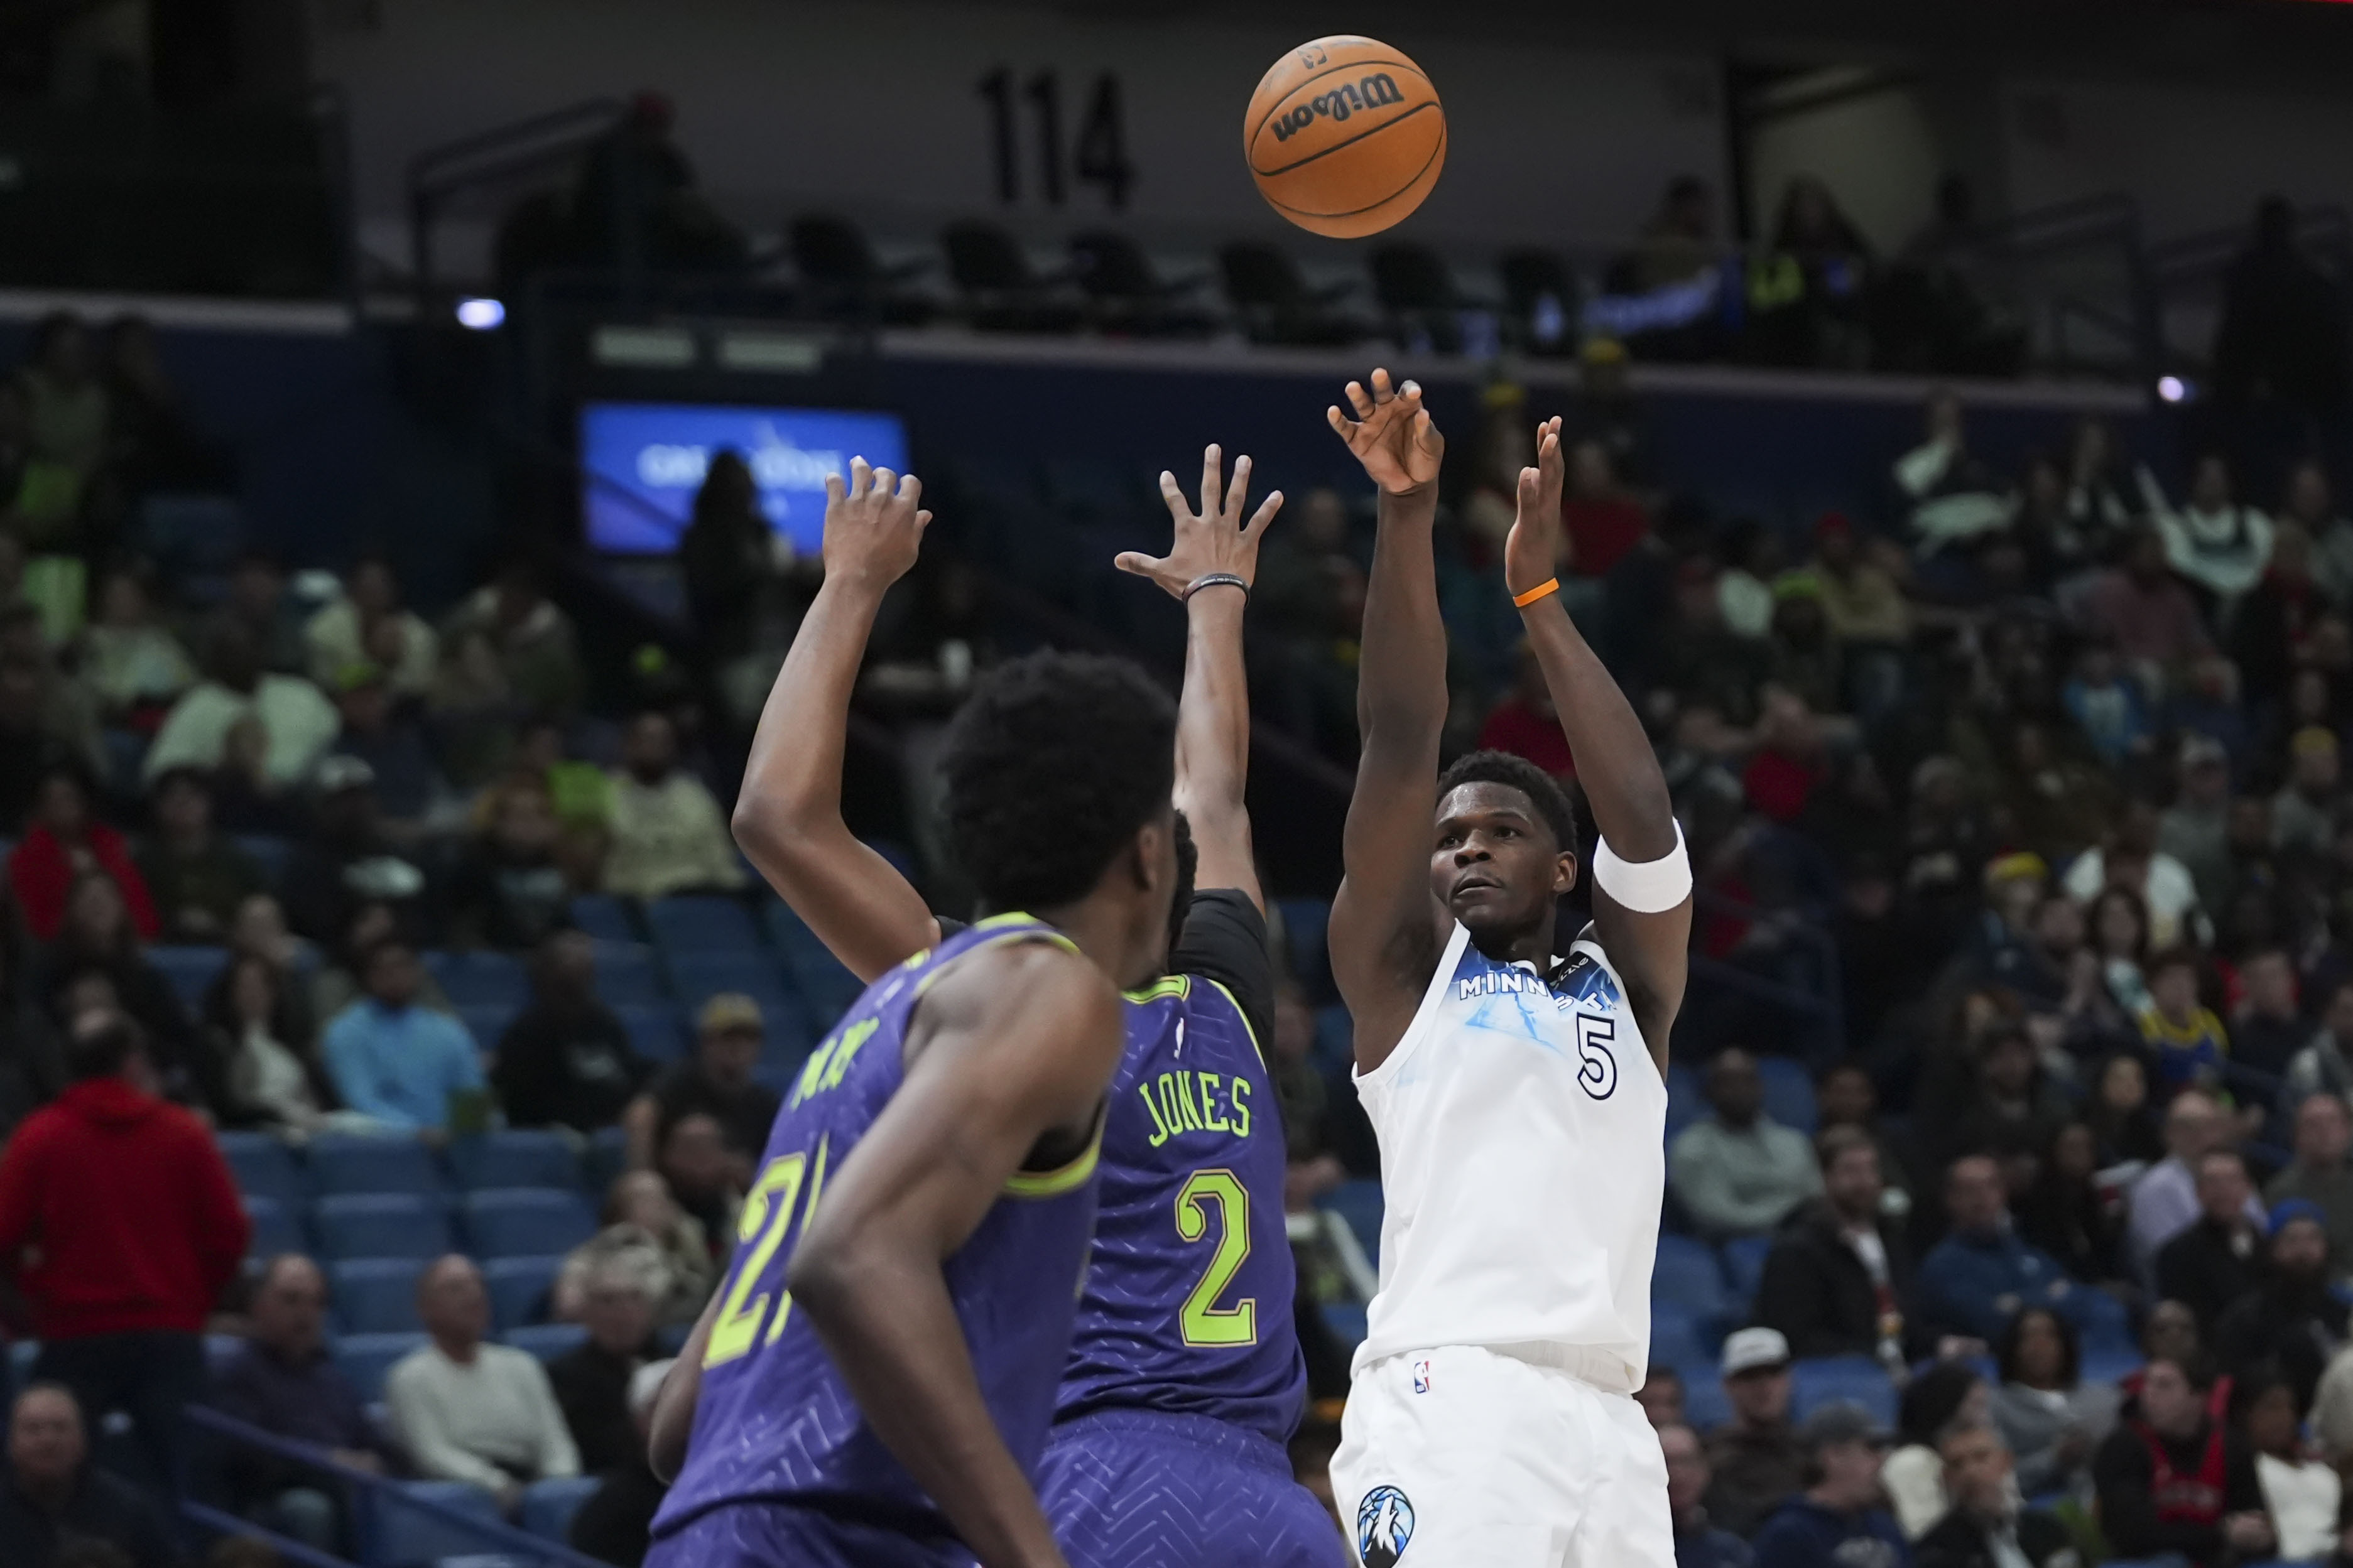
(642, 463)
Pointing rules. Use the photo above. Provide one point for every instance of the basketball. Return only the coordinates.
(1344, 136)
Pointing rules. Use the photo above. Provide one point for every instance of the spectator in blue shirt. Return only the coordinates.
(393, 1060)
(1976, 1279)
(1698, 1543)
(1838, 1517)
(283, 1381)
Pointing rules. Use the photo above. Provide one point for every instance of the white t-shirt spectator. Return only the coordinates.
(487, 1422)
(668, 837)
(295, 716)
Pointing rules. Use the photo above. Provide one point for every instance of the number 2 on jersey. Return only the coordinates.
(768, 1213)
(1205, 1322)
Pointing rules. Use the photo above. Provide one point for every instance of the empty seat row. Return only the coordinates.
(378, 1295)
(504, 1222)
(267, 1166)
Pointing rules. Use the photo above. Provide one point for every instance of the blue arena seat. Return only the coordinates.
(548, 1506)
(626, 972)
(488, 1021)
(277, 1228)
(408, 1537)
(1336, 1038)
(480, 978)
(190, 970)
(607, 1157)
(382, 1225)
(1346, 1322)
(655, 1031)
(826, 984)
(268, 852)
(1685, 1104)
(1687, 1273)
(697, 976)
(702, 925)
(526, 1222)
(514, 1157)
(547, 1340)
(264, 1166)
(1706, 1405)
(374, 1295)
(1744, 1266)
(355, 1162)
(604, 917)
(2111, 1364)
(1304, 927)
(1816, 1381)
(1359, 1202)
(1680, 1339)
(366, 1358)
(519, 1287)
(1788, 1093)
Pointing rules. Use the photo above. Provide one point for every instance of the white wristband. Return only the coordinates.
(1650, 888)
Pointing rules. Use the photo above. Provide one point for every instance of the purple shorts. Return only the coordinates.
(1145, 1489)
(779, 1535)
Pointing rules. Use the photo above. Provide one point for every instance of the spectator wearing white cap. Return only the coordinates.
(1754, 1456)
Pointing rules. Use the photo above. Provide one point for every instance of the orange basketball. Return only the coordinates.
(1344, 136)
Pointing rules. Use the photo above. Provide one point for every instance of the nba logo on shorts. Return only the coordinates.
(1421, 1377)
(1384, 1526)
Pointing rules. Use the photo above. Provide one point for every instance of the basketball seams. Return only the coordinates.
(1341, 146)
(1420, 174)
(1292, 90)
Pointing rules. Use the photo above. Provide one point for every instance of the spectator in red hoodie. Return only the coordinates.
(61, 842)
(120, 1225)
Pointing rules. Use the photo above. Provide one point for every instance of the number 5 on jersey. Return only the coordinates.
(1204, 1324)
(768, 1216)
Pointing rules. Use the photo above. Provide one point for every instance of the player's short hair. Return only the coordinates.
(1052, 766)
(1544, 792)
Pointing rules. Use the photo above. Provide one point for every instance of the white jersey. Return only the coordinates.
(1522, 1130)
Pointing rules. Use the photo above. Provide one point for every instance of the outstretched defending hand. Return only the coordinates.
(873, 525)
(1214, 539)
(1391, 436)
(1532, 553)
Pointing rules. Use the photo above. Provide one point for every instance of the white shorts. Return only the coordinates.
(1466, 1458)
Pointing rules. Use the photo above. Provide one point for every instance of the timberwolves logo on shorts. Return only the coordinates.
(1384, 1525)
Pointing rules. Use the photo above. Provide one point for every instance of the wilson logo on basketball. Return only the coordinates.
(1374, 91)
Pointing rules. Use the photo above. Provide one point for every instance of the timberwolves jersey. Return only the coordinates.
(1522, 1124)
(1188, 1303)
(775, 1422)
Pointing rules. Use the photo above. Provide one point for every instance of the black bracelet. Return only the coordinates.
(1217, 580)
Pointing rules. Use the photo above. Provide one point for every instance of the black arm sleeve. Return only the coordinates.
(1225, 939)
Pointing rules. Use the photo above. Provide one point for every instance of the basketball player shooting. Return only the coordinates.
(1518, 1093)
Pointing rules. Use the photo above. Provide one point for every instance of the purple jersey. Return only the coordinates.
(775, 1422)
(1186, 1308)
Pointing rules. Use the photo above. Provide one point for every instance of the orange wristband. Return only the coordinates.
(1549, 585)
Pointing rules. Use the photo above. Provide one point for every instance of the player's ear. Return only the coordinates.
(1564, 873)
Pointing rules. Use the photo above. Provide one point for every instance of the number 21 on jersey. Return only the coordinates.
(1204, 1324)
(770, 1208)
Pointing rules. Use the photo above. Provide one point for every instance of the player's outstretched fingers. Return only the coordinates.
(1359, 399)
(1341, 424)
(1383, 387)
(1238, 491)
(911, 489)
(1212, 478)
(835, 490)
(861, 479)
(1264, 517)
(885, 482)
(1170, 493)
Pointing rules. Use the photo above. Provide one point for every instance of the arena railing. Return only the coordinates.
(368, 1493)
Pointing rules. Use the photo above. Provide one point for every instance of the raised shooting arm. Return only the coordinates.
(1615, 764)
(1387, 925)
(788, 816)
(1213, 721)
